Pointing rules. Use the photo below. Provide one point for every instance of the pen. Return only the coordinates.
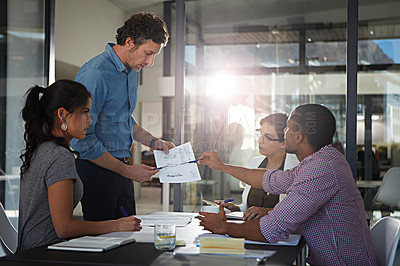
(228, 200)
(124, 212)
(194, 161)
(159, 168)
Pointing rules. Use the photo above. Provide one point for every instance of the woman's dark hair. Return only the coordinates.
(280, 122)
(40, 111)
(141, 27)
(316, 122)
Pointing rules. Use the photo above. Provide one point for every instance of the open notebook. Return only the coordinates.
(92, 243)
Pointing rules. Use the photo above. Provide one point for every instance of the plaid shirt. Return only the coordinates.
(324, 202)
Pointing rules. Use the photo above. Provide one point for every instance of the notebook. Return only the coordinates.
(91, 243)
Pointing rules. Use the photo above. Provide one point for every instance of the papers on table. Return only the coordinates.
(175, 165)
(146, 235)
(92, 243)
(234, 215)
(151, 220)
(194, 249)
(292, 240)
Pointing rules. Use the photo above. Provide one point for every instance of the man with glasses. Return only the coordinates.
(112, 80)
(322, 200)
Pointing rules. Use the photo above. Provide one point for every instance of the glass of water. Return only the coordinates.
(164, 236)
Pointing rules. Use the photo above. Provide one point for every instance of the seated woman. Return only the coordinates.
(50, 186)
(256, 202)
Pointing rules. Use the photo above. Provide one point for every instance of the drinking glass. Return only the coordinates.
(164, 236)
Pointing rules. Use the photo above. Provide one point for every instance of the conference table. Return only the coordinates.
(140, 253)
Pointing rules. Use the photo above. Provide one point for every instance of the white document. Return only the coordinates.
(175, 165)
(92, 243)
(151, 220)
(146, 235)
(235, 216)
(292, 240)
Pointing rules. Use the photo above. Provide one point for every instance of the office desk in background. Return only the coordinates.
(146, 254)
(368, 183)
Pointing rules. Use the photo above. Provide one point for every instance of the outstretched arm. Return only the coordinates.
(252, 177)
(136, 172)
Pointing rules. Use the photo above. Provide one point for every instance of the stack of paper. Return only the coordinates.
(221, 245)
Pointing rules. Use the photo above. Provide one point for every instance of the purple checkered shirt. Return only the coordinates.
(324, 203)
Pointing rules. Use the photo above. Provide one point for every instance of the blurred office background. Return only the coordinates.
(241, 60)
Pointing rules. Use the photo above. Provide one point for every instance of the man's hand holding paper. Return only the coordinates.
(179, 166)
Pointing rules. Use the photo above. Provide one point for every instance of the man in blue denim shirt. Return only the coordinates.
(112, 80)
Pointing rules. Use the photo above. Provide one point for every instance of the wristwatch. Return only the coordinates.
(153, 140)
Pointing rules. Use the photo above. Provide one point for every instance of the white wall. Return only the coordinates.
(83, 28)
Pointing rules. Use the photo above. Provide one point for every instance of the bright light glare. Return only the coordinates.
(221, 86)
(375, 117)
(244, 115)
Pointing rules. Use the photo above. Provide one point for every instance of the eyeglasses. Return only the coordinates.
(265, 136)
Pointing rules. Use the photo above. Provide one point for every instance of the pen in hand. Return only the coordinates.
(124, 212)
(225, 201)
(159, 168)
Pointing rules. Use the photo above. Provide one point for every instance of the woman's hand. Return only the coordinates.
(130, 223)
(211, 159)
(255, 213)
(230, 206)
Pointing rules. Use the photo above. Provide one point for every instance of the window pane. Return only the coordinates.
(24, 66)
(254, 59)
(378, 137)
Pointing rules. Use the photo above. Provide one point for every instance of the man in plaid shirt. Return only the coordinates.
(322, 200)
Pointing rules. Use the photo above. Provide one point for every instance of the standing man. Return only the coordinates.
(322, 198)
(112, 80)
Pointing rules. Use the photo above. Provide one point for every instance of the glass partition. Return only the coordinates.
(247, 61)
(378, 91)
(23, 44)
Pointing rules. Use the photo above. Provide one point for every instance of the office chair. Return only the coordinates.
(388, 193)
(8, 234)
(385, 237)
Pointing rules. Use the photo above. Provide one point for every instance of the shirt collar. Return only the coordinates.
(117, 61)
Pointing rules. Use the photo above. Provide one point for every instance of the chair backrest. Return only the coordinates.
(8, 234)
(388, 193)
(385, 236)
